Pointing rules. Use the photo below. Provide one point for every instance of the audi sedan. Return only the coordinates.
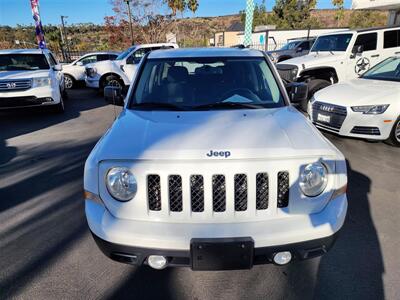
(367, 107)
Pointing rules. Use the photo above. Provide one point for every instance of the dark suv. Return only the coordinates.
(292, 49)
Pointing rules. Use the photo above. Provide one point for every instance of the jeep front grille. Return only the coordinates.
(216, 191)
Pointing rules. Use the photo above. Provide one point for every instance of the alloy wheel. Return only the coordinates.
(114, 83)
(397, 131)
(68, 82)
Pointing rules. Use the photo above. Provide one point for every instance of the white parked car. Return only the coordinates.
(368, 107)
(75, 71)
(122, 70)
(209, 166)
(341, 56)
(30, 78)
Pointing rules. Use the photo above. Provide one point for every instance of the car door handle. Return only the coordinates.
(376, 55)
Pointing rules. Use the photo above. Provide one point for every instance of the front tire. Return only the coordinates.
(59, 108)
(69, 82)
(394, 138)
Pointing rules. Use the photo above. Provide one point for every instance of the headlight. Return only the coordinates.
(121, 183)
(371, 109)
(313, 179)
(41, 81)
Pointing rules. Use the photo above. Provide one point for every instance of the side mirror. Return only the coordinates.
(113, 95)
(79, 63)
(57, 67)
(357, 50)
(297, 91)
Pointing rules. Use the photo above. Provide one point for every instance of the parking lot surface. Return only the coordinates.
(47, 252)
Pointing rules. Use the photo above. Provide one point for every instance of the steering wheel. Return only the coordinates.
(242, 92)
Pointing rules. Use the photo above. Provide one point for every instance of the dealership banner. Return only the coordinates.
(38, 24)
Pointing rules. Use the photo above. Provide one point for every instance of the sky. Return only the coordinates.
(13, 12)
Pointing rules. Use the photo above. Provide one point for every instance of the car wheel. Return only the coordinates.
(59, 108)
(313, 87)
(394, 138)
(113, 81)
(68, 82)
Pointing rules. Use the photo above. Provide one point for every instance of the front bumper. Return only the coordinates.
(271, 234)
(183, 258)
(41, 96)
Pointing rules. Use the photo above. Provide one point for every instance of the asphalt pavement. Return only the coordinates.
(47, 252)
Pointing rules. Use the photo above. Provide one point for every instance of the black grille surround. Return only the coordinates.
(13, 102)
(175, 192)
(219, 193)
(365, 130)
(154, 192)
(336, 113)
(16, 85)
(283, 189)
(240, 192)
(287, 72)
(262, 191)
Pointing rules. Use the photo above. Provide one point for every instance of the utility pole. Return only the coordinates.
(130, 18)
(65, 36)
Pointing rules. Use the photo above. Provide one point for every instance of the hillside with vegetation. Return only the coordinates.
(194, 31)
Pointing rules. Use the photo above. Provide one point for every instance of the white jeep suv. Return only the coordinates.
(341, 56)
(30, 78)
(209, 166)
(122, 70)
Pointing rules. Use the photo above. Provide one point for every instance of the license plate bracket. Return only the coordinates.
(323, 118)
(222, 254)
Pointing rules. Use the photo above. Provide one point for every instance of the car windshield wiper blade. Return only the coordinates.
(222, 105)
(158, 105)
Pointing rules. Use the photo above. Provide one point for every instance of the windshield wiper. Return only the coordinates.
(158, 105)
(222, 105)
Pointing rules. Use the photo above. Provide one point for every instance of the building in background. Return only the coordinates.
(230, 36)
(392, 5)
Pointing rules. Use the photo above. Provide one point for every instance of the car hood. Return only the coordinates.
(360, 92)
(313, 59)
(10, 75)
(246, 134)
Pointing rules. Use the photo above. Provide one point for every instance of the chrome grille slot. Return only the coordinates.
(197, 193)
(262, 191)
(283, 189)
(240, 192)
(219, 193)
(175, 192)
(154, 192)
(15, 85)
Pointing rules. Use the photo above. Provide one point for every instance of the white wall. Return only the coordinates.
(376, 4)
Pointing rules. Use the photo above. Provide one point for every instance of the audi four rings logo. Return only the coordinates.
(326, 108)
(11, 85)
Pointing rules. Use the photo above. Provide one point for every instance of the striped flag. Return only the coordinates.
(249, 22)
(38, 24)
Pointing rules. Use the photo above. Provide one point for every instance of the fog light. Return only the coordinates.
(282, 258)
(157, 262)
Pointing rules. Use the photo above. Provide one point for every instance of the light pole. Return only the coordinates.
(130, 18)
(65, 36)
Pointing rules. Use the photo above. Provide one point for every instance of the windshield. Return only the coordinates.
(207, 83)
(289, 46)
(335, 42)
(388, 70)
(18, 62)
(125, 53)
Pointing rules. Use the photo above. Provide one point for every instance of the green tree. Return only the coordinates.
(293, 14)
(367, 18)
(339, 4)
